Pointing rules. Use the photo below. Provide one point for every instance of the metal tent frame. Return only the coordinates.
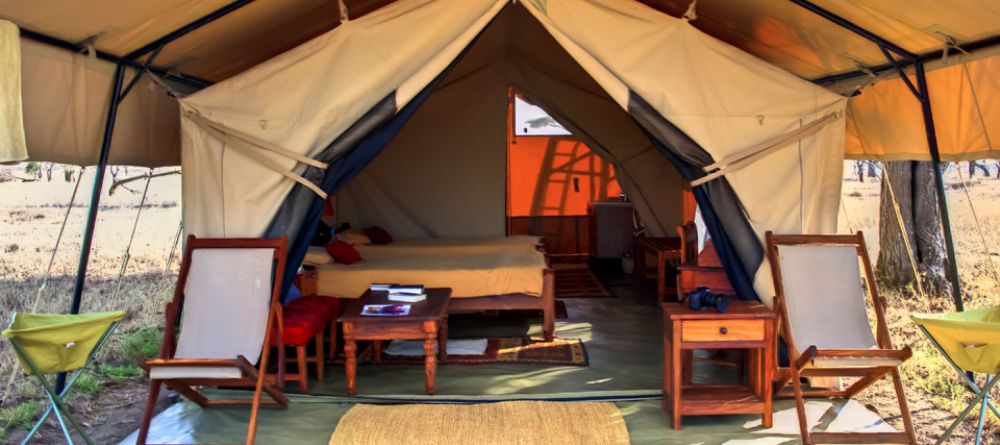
(151, 50)
(921, 92)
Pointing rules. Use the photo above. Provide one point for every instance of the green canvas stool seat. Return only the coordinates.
(55, 343)
(970, 341)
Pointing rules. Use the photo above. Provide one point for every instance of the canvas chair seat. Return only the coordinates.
(194, 372)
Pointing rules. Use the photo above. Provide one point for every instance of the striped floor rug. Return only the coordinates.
(578, 281)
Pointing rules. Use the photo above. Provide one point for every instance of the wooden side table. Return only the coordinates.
(664, 249)
(747, 325)
(427, 321)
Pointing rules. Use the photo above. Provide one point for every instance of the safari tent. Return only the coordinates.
(397, 114)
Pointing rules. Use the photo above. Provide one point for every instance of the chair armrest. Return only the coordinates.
(901, 354)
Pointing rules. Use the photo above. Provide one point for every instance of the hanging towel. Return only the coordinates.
(12, 148)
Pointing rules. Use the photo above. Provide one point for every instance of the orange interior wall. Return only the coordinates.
(541, 176)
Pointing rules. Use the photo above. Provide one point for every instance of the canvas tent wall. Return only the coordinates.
(696, 99)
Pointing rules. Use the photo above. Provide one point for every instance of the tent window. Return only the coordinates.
(531, 120)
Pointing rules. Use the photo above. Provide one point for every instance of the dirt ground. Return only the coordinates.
(31, 214)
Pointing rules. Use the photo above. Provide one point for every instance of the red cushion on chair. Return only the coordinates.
(343, 252)
(378, 235)
(300, 327)
(326, 306)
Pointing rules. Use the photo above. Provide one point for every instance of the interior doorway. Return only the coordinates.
(553, 181)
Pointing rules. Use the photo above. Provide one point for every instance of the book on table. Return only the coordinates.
(410, 293)
(385, 310)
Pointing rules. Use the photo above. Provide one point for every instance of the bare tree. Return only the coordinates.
(913, 184)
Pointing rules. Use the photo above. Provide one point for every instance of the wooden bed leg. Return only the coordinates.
(548, 305)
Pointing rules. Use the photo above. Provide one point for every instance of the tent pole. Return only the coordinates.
(95, 194)
(95, 199)
(870, 36)
(186, 29)
(932, 144)
(72, 47)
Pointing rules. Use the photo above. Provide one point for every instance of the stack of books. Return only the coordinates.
(410, 293)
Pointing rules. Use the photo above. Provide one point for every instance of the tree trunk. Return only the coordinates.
(913, 183)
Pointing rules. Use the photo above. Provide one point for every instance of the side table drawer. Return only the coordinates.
(722, 330)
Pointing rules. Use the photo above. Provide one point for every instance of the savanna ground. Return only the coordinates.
(109, 397)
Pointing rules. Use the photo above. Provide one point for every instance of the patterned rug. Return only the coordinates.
(578, 281)
(561, 351)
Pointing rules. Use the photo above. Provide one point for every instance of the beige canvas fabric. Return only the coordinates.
(885, 121)
(65, 103)
(724, 99)
(303, 99)
(12, 147)
(819, 281)
(226, 303)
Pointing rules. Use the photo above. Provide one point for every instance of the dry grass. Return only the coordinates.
(31, 213)
(936, 394)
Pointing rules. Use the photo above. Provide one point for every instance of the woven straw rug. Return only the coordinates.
(560, 352)
(523, 422)
(578, 281)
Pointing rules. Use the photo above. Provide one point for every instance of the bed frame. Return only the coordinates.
(507, 302)
(512, 302)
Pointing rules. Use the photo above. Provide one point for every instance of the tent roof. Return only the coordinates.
(780, 32)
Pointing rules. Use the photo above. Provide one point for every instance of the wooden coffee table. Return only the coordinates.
(427, 321)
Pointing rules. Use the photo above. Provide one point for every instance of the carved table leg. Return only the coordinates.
(430, 355)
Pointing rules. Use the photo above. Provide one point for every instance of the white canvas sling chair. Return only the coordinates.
(227, 291)
(820, 299)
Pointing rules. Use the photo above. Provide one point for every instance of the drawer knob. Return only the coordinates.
(723, 330)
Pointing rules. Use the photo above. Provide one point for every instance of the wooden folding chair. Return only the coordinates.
(820, 301)
(227, 292)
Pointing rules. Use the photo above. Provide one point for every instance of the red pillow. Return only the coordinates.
(378, 235)
(343, 252)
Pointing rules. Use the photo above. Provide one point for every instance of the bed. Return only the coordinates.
(502, 273)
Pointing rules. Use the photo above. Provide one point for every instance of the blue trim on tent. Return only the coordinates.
(738, 277)
(343, 170)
